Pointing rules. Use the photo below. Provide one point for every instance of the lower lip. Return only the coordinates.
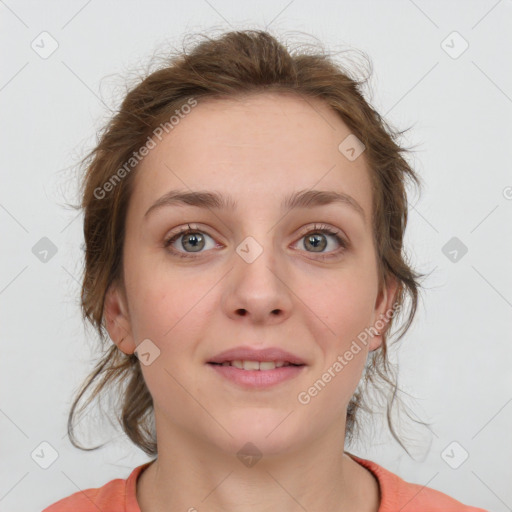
(257, 379)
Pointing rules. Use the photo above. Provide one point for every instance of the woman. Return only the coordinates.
(244, 218)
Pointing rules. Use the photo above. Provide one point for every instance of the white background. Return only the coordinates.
(457, 357)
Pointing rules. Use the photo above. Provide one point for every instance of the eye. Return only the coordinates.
(317, 241)
(193, 240)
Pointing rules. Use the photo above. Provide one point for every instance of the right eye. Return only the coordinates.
(193, 239)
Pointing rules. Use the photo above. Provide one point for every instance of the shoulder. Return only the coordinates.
(109, 495)
(397, 494)
(115, 496)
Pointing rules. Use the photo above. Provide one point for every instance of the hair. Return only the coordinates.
(234, 64)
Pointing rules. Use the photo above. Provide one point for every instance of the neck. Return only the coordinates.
(190, 474)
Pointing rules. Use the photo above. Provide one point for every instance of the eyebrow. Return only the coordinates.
(217, 201)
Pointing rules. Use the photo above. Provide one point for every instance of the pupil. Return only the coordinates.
(195, 240)
(316, 241)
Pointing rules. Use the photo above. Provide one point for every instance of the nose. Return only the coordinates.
(258, 290)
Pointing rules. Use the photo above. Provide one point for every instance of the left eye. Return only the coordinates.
(317, 240)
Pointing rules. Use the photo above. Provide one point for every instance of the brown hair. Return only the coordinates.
(233, 64)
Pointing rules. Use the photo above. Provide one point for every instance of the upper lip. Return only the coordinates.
(249, 354)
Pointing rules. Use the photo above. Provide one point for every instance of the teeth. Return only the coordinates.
(255, 365)
(251, 365)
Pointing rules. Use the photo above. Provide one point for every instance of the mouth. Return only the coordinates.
(256, 375)
(248, 358)
(256, 369)
(256, 365)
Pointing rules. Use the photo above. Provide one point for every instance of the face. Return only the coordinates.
(255, 274)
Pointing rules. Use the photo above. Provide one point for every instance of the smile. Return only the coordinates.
(256, 365)
(256, 375)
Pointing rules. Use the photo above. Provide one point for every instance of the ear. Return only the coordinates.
(384, 311)
(117, 318)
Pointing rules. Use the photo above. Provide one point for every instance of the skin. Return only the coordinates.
(258, 149)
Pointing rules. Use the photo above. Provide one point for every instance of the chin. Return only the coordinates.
(265, 430)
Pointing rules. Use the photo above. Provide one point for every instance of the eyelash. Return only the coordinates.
(321, 228)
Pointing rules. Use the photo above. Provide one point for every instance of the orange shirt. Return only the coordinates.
(119, 495)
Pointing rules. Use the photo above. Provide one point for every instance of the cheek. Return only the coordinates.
(341, 307)
(347, 310)
(173, 318)
(166, 307)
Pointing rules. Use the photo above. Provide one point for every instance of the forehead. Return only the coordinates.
(255, 146)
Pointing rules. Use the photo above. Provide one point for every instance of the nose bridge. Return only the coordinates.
(257, 281)
(257, 261)
(257, 241)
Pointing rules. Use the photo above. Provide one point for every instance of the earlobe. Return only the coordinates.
(117, 319)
